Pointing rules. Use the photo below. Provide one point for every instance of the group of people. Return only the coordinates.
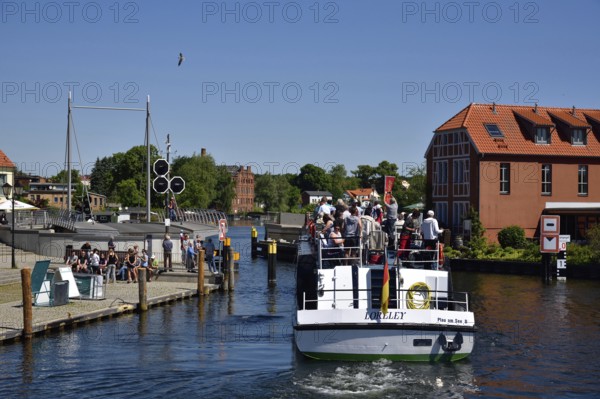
(96, 262)
(341, 227)
(190, 248)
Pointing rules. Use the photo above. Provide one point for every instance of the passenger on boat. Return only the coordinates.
(406, 235)
(377, 212)
(327, 225)
(391, 216)
(352, 233)
(321, 209)
(335, 244)
(430, 230)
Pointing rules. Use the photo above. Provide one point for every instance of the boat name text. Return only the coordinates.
(382, 316)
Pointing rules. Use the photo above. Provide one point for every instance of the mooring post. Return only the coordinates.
(27, 303)
(230, 267)
(143, 289)
(225, 253)
(272, 275)
(254, 245)
(200, 272)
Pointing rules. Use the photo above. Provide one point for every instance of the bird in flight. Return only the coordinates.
(181, 59)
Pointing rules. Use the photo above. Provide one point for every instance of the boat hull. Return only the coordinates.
(396, 343)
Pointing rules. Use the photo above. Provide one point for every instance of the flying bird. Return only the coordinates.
(181, 59)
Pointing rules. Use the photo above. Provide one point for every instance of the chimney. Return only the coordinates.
(203, 152)
(573, 111)
(535, 111)
(249, 168)
(494, 108)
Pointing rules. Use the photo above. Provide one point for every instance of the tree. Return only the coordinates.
(274, 192)
(61, 177)
(128, 193)
(312, 177)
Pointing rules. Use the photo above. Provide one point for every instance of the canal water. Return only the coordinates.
(534, 341)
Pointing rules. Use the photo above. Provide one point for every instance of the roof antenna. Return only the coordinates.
(494, 107)
(535, 111)
(573, 111)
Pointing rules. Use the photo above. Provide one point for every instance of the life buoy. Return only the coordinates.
(418, 296)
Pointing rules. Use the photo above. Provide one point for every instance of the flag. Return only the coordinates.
(388, 186)
(385, 289)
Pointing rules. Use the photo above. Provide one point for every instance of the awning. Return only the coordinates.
(19, 206)
(572, 207)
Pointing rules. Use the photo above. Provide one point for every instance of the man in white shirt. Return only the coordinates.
(430, 230)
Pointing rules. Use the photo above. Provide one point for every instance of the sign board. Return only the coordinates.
(161, 167)
(161, 184)
(177, 184)
(563, 239)
(550, 224)
(66, 274)
(222, 229)
(549, 244)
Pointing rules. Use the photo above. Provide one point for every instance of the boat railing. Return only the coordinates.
(330, 255)
(418, 258)
(405, 299)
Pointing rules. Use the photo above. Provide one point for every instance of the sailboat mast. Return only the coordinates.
(148, 160)
(69, 155)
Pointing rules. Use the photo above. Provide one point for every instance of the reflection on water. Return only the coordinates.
(534, 341)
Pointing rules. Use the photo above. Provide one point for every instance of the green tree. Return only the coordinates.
(312, 177)
(128, 193)
(61, 177)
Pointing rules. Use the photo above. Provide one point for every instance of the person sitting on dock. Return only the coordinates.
(144, 262)
(73, 261)
(83, 261)
(131, 262)
(94, 262)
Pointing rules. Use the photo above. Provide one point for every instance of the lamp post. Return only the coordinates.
(7, 190)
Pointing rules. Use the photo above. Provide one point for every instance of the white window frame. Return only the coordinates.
(459, 209)
(542, 135)
(504, 178)
(440, 178)
(546, 179)
(461, 177)
(441, 212)
(578, 137)
(582, 180)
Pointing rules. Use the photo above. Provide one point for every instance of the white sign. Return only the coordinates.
(561, 263)
(549, 244)
(222, 229)
(550, 224)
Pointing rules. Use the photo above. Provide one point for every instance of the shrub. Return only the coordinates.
(512, 236)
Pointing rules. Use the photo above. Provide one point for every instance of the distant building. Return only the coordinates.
(314, 197)
(7, 171)
(56, 194)
(514, 163)
(244, 189)
(361, 194)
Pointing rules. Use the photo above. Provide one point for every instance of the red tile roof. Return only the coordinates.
(517, 140)
(5, 162)
(360, 192)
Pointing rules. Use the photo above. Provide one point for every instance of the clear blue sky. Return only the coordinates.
(280, 84)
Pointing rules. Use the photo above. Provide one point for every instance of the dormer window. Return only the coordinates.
(578, 137)
(542, 135)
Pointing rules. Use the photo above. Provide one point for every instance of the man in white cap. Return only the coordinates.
(430, 230)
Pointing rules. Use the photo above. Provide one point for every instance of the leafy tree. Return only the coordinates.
(128, 193)
(274, 192)
(512, 236)
(312, 177)
(338, 177)
(225, 190)
(61, 177)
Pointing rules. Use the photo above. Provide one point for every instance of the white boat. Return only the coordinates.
(339, 313)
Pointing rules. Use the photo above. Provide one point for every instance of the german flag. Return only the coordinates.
(385, 289)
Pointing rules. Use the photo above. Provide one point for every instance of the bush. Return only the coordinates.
(512, 236)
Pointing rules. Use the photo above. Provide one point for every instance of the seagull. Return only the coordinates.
(181, 59)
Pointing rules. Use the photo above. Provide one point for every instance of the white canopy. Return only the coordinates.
(19, 206)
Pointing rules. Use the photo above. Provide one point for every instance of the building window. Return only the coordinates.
(441, 212)
(504, 178)
(578, 137)
(582, 180)
(460, 177)
(546, 179)
(542, 135)
(3, 178)
(440, 178)
(459, 210)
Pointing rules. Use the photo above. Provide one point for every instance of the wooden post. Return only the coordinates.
(254, 245)
(225, 253)
(143, 289)
(200, 264)
(230, 266)
(272, 274)
(27, 303)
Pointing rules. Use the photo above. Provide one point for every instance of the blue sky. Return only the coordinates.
(279, 84)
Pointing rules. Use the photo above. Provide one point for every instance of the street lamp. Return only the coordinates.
(7, 190)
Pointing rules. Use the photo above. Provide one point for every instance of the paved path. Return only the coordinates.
(119, 298)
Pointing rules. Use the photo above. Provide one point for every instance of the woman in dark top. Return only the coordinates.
(131, 261)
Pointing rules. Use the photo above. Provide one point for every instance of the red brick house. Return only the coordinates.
(514, 163)
(7, 171)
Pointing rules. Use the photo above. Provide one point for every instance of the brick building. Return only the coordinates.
(244, 189)
(514, 163)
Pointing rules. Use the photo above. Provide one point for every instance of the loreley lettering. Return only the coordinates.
(381, 316)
